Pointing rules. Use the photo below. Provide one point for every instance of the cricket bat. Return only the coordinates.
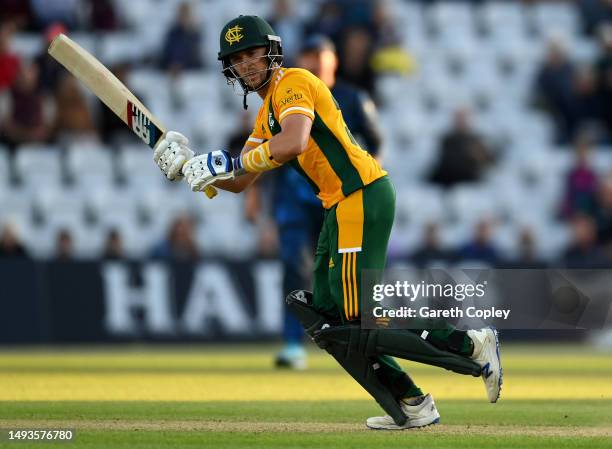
(112, 92)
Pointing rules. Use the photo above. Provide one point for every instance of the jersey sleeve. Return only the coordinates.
(295, 94)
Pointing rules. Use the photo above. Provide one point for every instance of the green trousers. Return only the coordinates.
(355, 236)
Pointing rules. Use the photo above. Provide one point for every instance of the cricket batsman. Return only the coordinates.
(300, 124)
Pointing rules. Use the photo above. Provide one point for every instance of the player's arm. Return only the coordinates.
(292, 140)
(283, 147)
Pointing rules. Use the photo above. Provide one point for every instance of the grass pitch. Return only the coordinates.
(220, 397)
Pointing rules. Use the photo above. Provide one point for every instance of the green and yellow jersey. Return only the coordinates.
(333, 162)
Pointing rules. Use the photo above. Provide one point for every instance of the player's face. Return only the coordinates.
(251, 65)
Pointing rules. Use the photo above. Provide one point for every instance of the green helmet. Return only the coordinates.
(245, 32)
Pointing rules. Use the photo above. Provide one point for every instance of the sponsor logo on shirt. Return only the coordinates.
(291, 98)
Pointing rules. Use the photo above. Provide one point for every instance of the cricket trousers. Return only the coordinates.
(355, 236)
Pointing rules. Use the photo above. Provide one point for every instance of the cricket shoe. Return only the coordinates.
(486, 354)
(293, 356)
(421, 415)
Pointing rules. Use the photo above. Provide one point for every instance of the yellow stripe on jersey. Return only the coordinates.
(296, 110)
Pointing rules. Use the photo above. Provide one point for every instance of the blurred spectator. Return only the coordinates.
(583, 251)
(9, 62)
(113, 248)
(604, 211)
(463, 154)
(16, 11)
(27, 116)
(182, 47)
(604, 77)
(102, 15)
(431, 251)
(528, 255)
(481, 248)
(50, 69)
(73, 120)
(389, 56)
(318, 55)
(581, 184)
(594, 13)
(554, 88)
(46, 12)
(10, 246)
(179, 244)
(588, 105)
(328, 21)
(289, 27)
(356, 51)
(64, 247)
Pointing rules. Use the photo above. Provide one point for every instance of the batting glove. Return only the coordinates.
(207, 168)
(171, 153)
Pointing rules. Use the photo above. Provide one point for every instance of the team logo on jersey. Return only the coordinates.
(233, 35)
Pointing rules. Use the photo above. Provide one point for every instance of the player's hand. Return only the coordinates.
(171, 153)
(207, 168)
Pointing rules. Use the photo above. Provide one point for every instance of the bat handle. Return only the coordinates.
(211, 192)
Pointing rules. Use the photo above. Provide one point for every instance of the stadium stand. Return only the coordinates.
(482, 56)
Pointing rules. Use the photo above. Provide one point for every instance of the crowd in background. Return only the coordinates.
(40, 103)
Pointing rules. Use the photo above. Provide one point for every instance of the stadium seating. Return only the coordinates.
(483, 56)
(90, 166)
(41, 163)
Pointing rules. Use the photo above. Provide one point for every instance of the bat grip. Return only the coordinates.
(211, 192)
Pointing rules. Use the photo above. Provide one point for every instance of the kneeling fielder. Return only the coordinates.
(300, 124)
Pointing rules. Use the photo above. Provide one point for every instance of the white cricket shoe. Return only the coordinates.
(420, 415)
(486, 354)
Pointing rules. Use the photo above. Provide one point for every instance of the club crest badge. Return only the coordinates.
(233, 35)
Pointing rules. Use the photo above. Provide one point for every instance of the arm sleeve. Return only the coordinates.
(295, 94)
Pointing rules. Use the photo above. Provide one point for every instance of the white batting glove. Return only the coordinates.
(171, 153)
(207, 168)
